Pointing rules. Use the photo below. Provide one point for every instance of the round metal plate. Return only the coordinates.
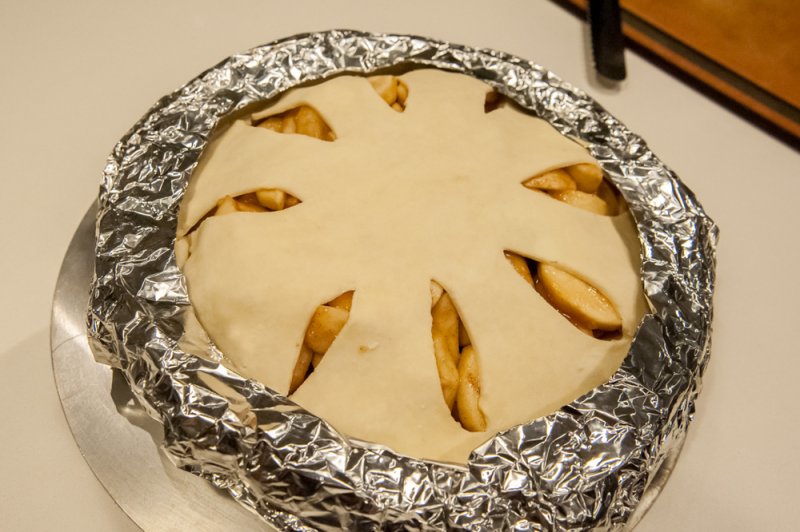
(119, 441)
(122, 444)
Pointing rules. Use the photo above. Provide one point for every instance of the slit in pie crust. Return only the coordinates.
(446, 185)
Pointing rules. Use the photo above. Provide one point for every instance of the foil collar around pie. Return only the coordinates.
(583, 467)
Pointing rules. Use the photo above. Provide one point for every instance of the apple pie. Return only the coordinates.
(412, 258)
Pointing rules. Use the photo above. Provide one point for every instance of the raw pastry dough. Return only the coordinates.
(397, 200)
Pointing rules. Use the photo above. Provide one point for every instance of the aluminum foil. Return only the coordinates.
(583, 467)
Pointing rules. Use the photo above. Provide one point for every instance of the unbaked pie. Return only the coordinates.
(411, 258)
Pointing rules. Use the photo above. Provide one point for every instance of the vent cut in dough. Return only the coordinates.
(396, 200)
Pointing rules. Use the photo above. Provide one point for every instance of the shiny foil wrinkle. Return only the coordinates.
(582, 467)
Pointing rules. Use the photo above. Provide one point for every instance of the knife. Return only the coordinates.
(608, 45)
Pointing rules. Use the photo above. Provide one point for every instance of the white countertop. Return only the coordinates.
(76, 75)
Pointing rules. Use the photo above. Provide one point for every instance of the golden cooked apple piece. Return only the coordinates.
(607, 193)
(587, 176)
(402, 93)
(552, 181)
(582, 200)
(458, 378)
(343, 301)
(580, 185)
(469, 392)
(310, 123)
(273, 199)
(463, 335)
(445, 326)
(444, 330)
(392, 90)
(228, 205)
(300, 368)
(250, 202)
(448, 372)
(386, 87)
(520, 265)
(302, 120)
(273, 123)
(263, 200)
(578, 300)
(325, 324)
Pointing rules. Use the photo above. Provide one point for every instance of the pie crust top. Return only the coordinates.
(397, 200)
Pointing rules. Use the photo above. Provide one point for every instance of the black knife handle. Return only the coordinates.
(608, 44)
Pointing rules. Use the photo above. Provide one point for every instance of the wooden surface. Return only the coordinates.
(748, 50)
(757, 39)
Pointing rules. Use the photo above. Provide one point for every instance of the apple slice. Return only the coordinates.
(325, 324)
(579, 301)
(552, 181)
(582, 200)
(343, 301)
(386, 87)
(520, 266)
(469, 392)
(607, 193)
(445, 326)
(587, 176)
(402, 93)
(228, 205)
(444, 329)
(391, 90)
(448, 372)
(311, 124)
(463, 335)
(273, 123)
(300, 369)
(302, 120)
(272, 198)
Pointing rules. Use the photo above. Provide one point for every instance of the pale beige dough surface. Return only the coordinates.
(399, 199)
